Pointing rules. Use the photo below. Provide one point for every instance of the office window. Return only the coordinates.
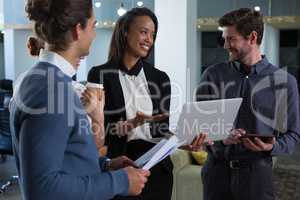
(212, 49)
(289, 56)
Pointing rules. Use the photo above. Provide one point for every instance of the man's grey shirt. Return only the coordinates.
(270, 101)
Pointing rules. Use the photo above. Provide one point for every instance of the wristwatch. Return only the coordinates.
(106, 165)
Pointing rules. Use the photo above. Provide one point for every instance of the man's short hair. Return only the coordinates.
(245, 20)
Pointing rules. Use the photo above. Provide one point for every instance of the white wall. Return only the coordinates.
(17, 59)
(9, 55)
(23, 61)
(270, 44)
(100, 47)
(1, 12)
(175, 50)
(193, 51)
(98, 53)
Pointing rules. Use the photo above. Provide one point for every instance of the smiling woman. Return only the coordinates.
(137, 98)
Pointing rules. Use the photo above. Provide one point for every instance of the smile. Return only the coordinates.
(145, 47)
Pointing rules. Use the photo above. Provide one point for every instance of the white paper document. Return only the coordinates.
(215, 117)
(157, 153)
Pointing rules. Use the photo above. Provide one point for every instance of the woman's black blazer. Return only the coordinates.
(160, 91)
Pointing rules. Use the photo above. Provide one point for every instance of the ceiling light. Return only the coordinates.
(97, 4)
(140, 3)
(257, 8)
(121, 11)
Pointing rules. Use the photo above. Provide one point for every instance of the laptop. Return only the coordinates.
(214, 117)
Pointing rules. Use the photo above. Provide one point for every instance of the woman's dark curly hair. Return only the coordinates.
(34, 45)
(54, 19)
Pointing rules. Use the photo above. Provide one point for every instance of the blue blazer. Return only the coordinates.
(56, 155)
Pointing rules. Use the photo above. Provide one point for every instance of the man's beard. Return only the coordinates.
(237, 56)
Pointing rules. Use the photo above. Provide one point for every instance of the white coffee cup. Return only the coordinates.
(95, 88)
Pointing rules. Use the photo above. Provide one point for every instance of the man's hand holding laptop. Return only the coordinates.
(198, 144)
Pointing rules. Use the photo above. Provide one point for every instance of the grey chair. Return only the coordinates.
(5, 135)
